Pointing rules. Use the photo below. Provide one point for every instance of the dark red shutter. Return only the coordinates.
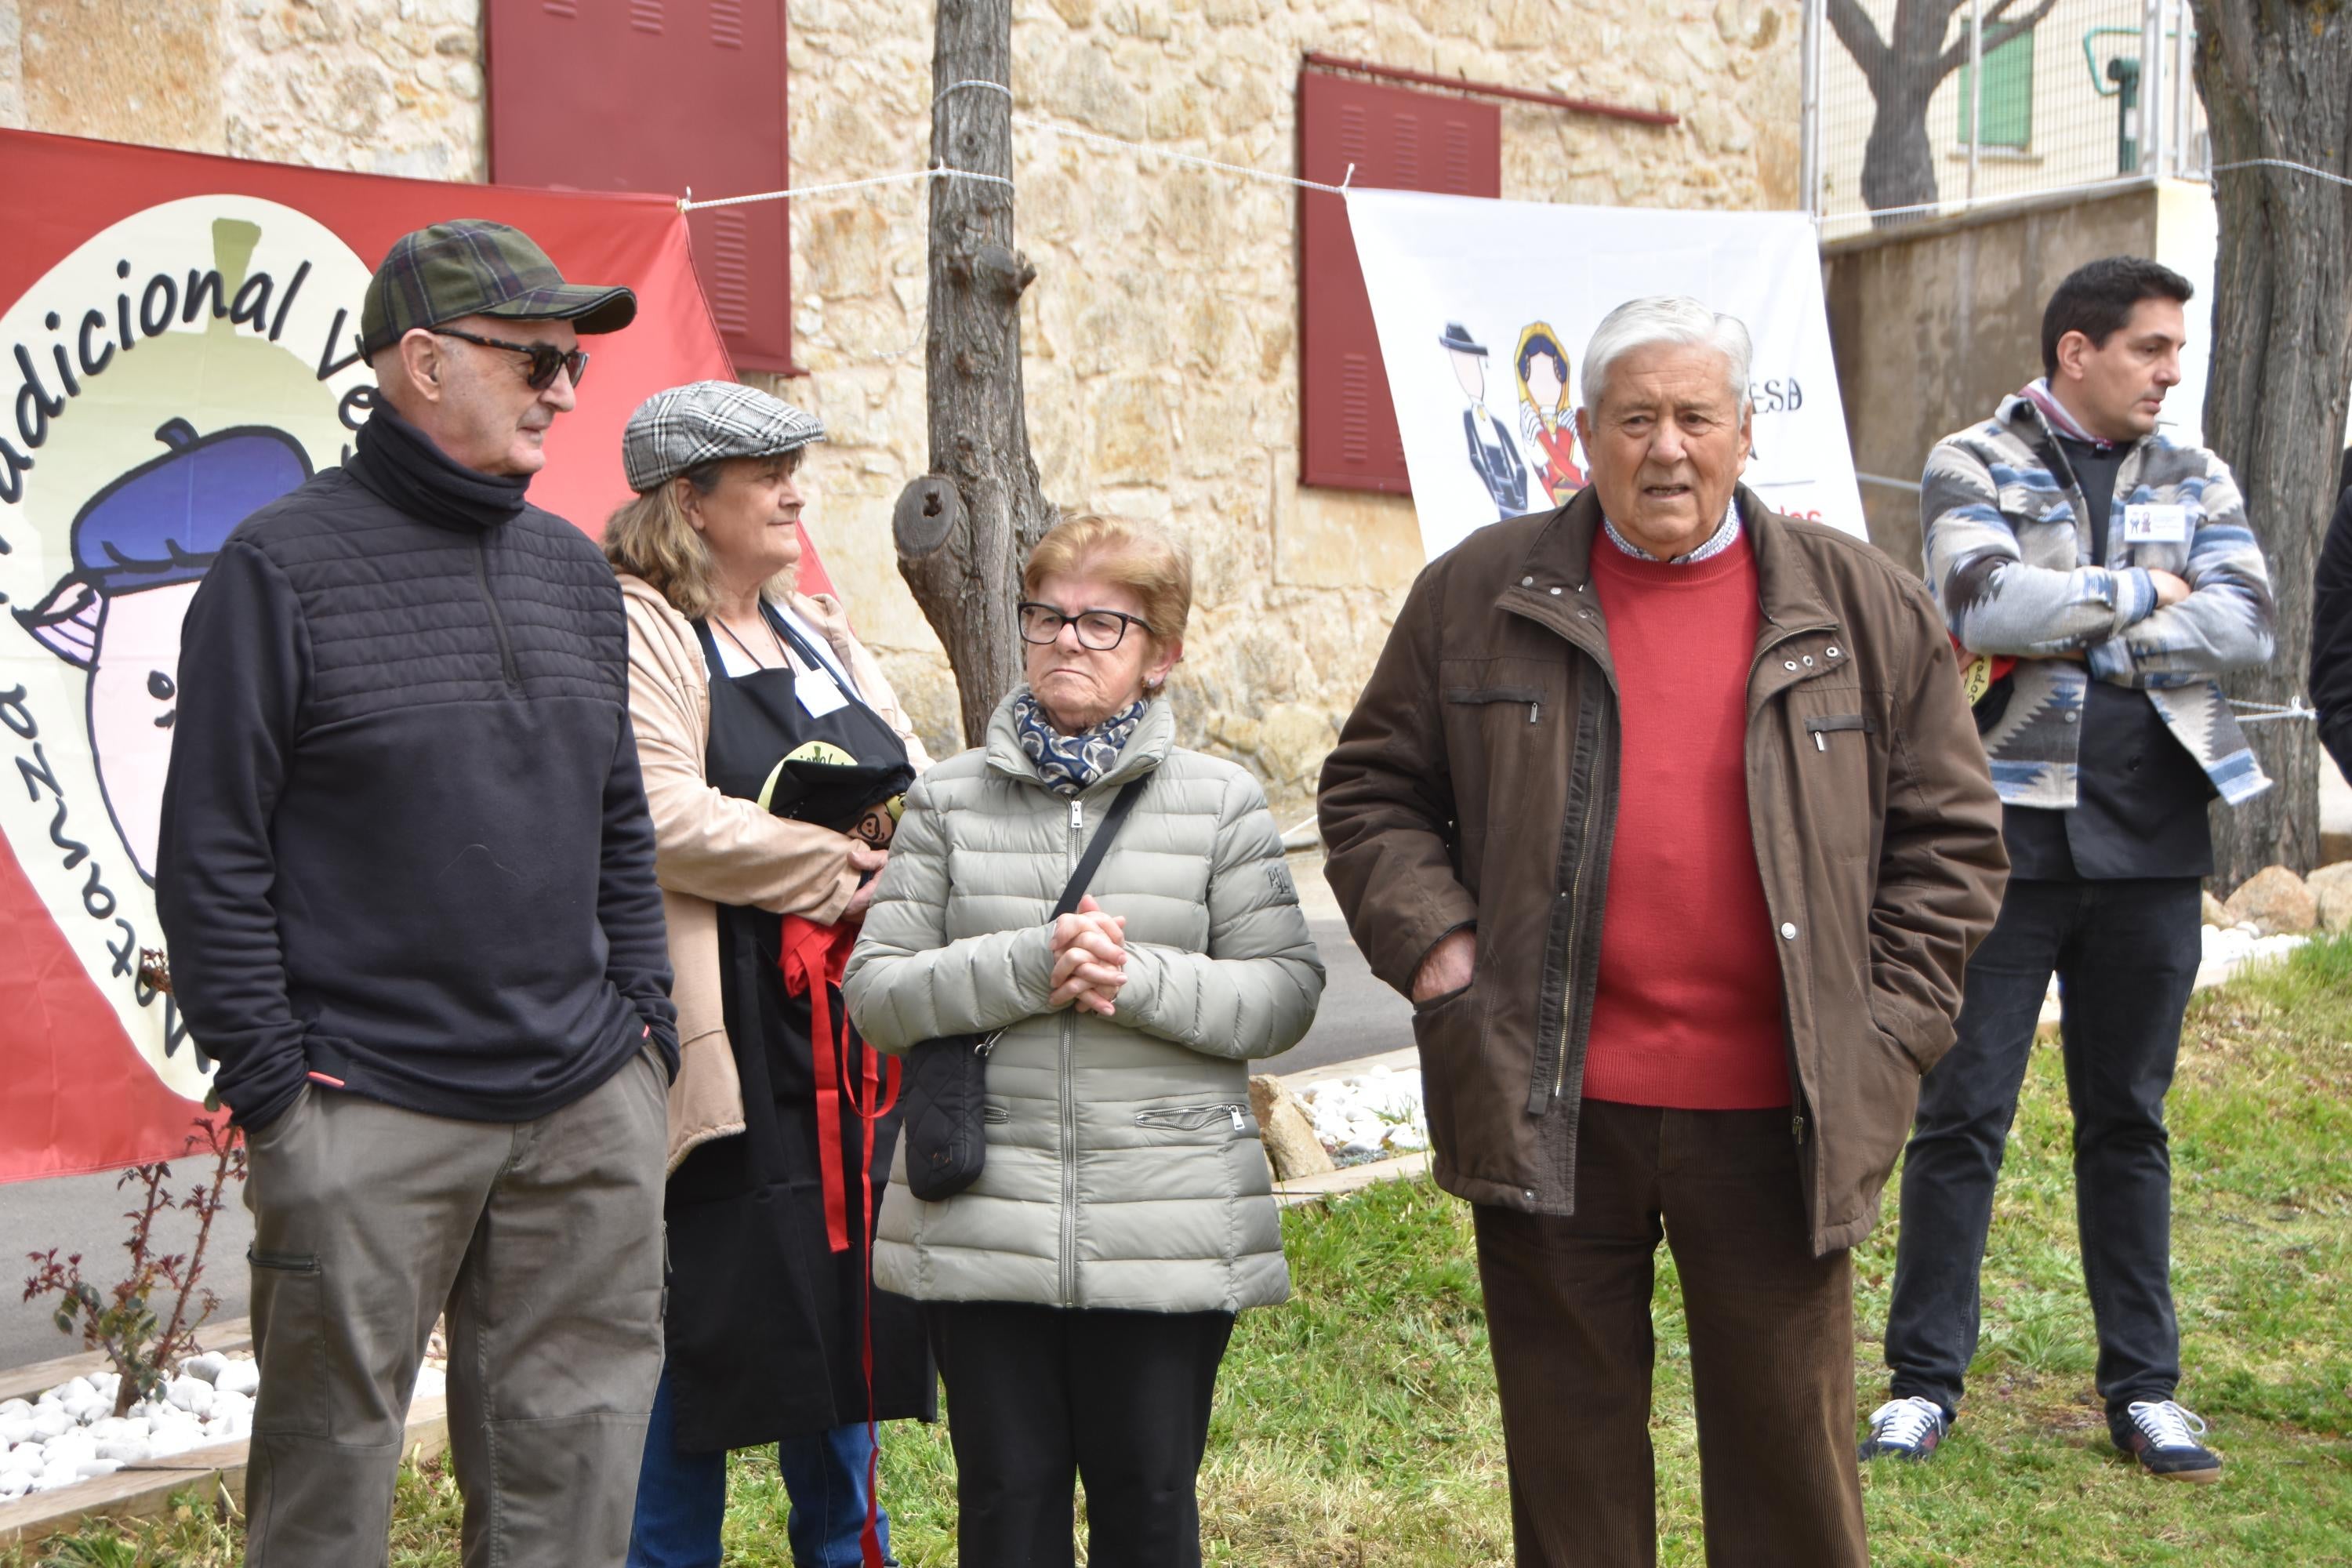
(1398, 140)
(660, 95)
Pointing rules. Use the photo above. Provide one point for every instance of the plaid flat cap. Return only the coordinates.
(705, 421)
(472, 266)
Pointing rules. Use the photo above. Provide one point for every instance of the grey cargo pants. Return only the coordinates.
(541, 1239)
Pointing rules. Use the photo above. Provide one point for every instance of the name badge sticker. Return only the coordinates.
(818, 692)
(2149, 522)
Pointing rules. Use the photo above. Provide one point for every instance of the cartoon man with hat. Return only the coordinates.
(1494, 456)
(407, 876)
(139, 545)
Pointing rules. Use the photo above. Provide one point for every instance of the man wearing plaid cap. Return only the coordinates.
(407, 878)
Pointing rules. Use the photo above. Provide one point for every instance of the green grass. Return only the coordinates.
(1356, 1427)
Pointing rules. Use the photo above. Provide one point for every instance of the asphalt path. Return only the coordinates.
(1359, 1017)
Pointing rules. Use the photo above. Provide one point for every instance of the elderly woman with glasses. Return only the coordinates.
(1081, 1290)
(773, 752)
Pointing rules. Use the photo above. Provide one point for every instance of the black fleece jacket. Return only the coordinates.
(2331, 634)
(405, 849)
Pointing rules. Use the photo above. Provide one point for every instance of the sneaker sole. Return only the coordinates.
(2199, 1477)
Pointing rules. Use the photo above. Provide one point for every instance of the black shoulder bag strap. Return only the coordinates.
(944, 1135)
(1121, 804)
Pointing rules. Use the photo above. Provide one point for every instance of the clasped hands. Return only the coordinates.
(1089, 959)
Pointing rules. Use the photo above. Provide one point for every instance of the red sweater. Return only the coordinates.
(1687, 1014)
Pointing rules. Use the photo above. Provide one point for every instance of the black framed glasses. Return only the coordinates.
(1101, 630)
(546, 359)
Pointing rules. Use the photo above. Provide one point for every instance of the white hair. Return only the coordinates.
(1664, 319)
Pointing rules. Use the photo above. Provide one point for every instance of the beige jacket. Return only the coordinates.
(711, 849)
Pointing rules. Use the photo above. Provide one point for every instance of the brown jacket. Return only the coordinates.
(1476, 784)
(711, 849)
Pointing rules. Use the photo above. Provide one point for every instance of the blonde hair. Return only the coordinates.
(651, 537)
(1138, 556)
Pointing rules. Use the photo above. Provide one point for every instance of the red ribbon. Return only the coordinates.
(813, 959)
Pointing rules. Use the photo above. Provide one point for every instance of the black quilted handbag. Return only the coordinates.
(947, 1077)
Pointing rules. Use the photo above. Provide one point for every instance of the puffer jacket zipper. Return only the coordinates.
(507, 665)
(1191, 1118)
(1070, 1102)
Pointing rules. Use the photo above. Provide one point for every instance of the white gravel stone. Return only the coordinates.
(1368, 1116)
(193, 1394)
(71, 1433)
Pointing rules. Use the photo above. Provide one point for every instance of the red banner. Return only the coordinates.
(176, 349)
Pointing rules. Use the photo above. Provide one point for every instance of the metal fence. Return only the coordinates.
(1917, 109)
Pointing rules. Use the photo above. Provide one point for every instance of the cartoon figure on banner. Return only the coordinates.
(1494, 456)
(139, 545)
(1544, 417)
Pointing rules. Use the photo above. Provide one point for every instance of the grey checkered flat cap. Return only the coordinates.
(707, 422)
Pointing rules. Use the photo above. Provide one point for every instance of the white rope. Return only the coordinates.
(2252, 712)
(1911, 484)
(1030, 122)
(688, 204)
(958, 86)
(2278, 163)
(1956, 205)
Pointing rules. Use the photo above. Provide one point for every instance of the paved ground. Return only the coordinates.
(85, 1215)
(1359, 1017)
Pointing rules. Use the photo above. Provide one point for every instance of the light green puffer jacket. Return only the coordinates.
(1124, 1168)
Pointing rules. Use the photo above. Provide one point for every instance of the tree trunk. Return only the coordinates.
(2277, 77)
(963, 530)
(1898, 162)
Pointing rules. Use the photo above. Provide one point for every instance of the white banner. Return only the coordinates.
(1483, 309)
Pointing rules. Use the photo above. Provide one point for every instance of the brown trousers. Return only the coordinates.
(541, 1240)
(1771, 1339)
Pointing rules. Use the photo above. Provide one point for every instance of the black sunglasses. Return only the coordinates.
(546, 359)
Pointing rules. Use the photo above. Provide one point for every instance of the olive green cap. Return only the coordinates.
(472, 266)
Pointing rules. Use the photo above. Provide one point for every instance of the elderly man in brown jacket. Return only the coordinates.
(1668, 814)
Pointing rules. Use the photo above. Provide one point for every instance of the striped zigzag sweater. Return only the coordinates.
(2008, 550)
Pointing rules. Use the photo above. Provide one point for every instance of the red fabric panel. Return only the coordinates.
(1398, 140)
(660, 96)
(76, 1091)
(1686, 1012)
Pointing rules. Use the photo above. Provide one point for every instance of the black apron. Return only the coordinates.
(765, 1320)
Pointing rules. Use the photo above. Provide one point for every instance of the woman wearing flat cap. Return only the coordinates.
(773, 755)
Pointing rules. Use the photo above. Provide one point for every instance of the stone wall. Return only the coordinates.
(386, 87)
(1160, 341)
(1161, 338)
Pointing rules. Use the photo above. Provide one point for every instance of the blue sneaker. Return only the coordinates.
(1905, 1429)
(2163, 1437)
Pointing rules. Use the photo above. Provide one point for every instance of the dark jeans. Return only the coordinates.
(682, 1497)
(1771, 1340)
(1038, 1397)
(2126, 953)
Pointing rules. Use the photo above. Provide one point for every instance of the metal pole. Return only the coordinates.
(1810, 158)
(2152, 88)
(2184, 89)
(1975, 90)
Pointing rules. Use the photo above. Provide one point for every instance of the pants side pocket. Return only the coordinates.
(289, 1340)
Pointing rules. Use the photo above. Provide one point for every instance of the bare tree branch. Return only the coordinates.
(1859, 36)
(1953, 58)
